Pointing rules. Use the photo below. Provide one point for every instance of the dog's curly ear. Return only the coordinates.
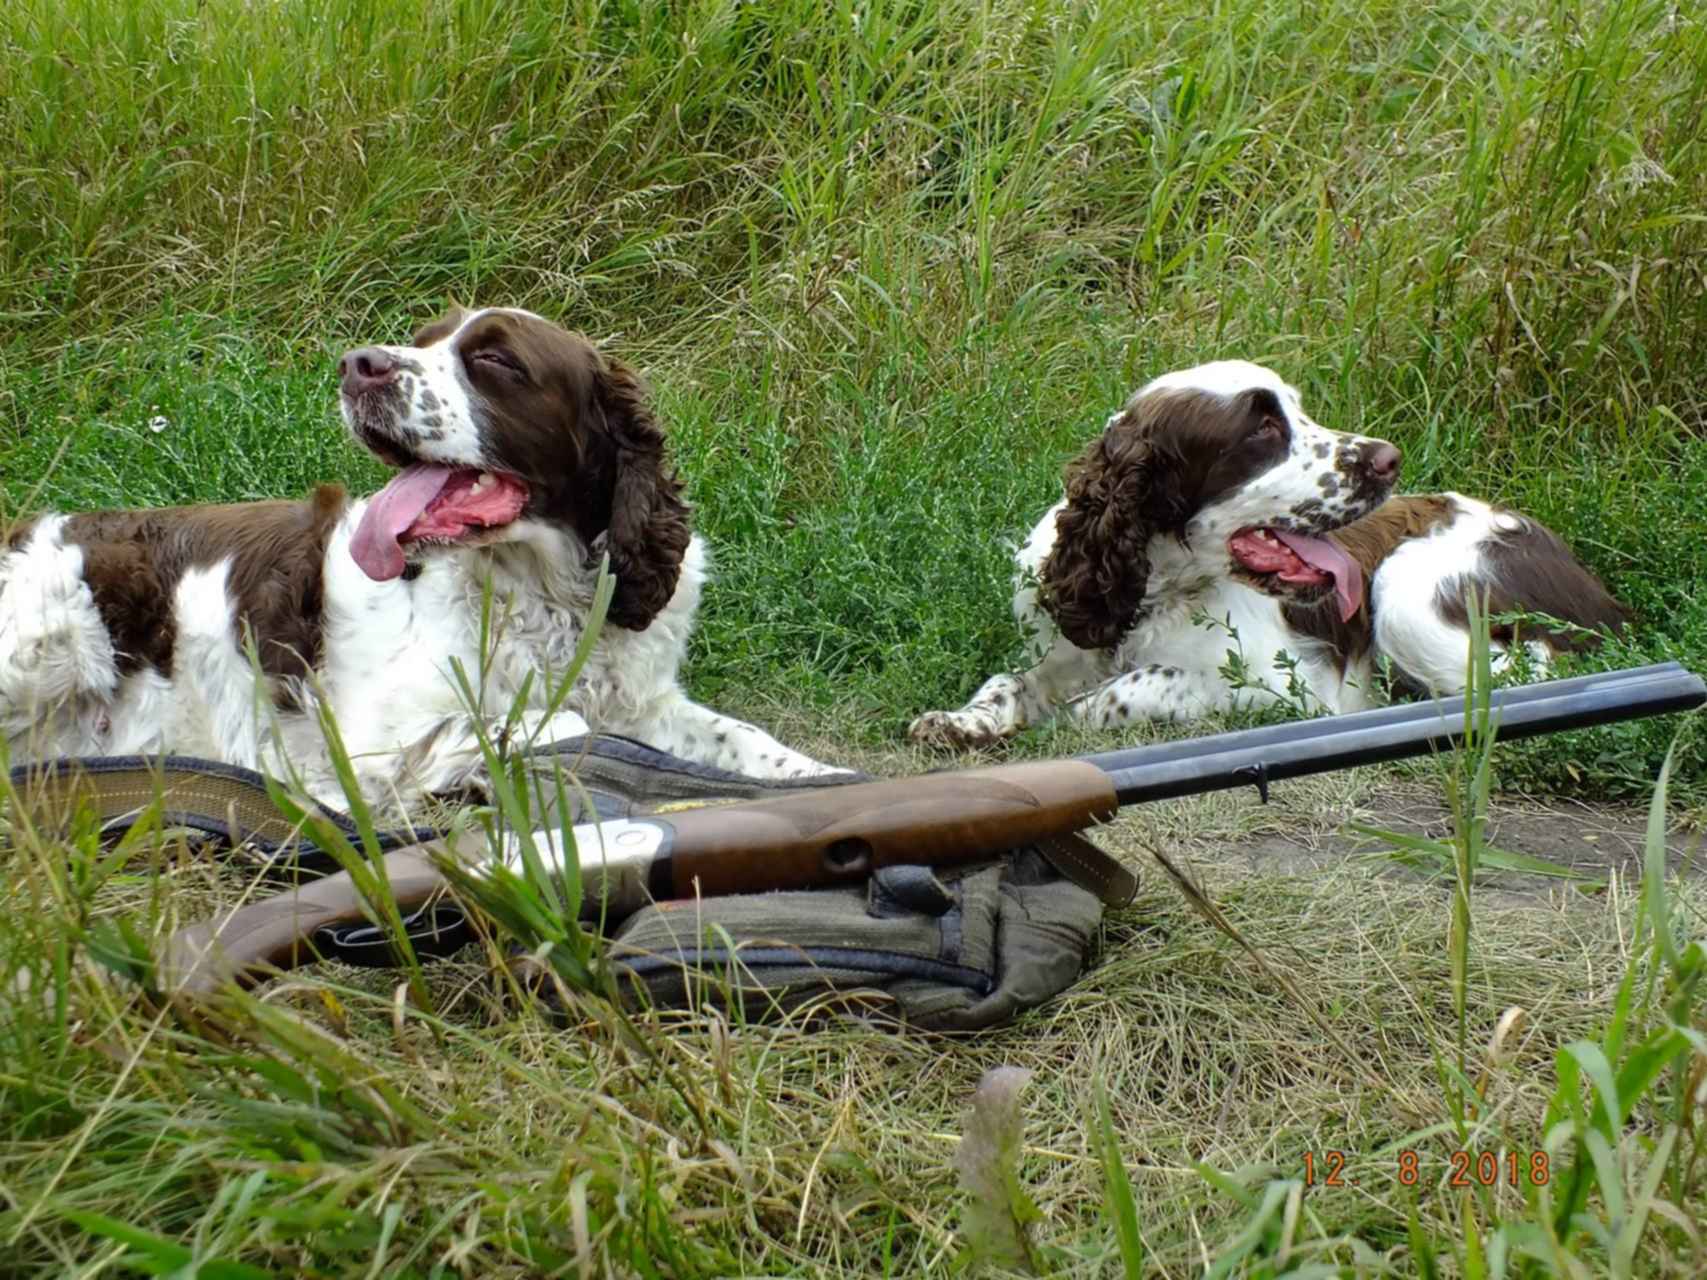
(1094, 578)
(649, 521)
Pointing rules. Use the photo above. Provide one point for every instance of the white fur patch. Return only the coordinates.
(1409, 626)
(437, 416)
(56, 659)
(211, 671)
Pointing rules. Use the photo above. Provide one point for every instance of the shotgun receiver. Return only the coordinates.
(841, 834)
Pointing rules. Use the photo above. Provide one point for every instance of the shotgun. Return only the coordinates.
(841, 834)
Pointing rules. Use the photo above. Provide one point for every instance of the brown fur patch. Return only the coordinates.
(14, 533)
(1204, 447)
(1531, 570)
(134, 560)
(439, 329)
(1368, 541)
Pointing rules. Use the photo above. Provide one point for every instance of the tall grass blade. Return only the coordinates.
(1117, 1188)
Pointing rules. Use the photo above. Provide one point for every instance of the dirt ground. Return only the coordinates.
(1587, 838)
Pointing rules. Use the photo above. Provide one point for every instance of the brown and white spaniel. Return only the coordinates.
(1216, 548)
(522, 455)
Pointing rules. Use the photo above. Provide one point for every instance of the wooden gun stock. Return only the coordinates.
(275, 933)
(809, 839)
(842, 834)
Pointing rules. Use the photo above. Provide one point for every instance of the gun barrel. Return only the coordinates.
(1392, 733)
(1427, 709)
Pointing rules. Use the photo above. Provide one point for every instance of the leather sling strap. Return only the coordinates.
(1087, 866)
(225, 804)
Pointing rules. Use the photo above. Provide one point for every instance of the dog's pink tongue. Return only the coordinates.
(1331, 559)
(389, 513)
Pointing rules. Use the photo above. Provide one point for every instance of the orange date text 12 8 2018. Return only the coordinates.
(1465, 1168)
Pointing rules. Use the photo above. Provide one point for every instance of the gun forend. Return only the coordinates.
(843, 834)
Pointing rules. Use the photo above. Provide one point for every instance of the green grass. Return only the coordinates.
(887, 265)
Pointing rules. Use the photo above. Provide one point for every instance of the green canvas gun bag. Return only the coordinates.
(955, 949)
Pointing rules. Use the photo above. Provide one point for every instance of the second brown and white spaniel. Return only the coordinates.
(523, 454)
(1217, 549)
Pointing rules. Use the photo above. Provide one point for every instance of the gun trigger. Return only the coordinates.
(1258, 774)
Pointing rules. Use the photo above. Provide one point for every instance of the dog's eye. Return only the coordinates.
(1267, 429)
(496, 357)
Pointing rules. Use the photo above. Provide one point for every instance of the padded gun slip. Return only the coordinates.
(828, 836)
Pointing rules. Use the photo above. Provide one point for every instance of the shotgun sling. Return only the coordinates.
(840, 835)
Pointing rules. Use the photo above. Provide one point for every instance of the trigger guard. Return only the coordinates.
(435, 931)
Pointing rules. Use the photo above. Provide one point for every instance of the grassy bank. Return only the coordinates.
(887, 265)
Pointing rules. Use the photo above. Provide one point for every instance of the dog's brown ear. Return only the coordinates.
(649, 521)
(1094, 578)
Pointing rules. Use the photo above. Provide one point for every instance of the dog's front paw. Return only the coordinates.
(817, 769)
(954, 730)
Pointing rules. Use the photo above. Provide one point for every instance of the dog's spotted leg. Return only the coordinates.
(704, 736)
(1007, 703)
(1164, 694)
(1003, 705)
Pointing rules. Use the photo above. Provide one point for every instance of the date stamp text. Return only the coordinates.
(1465, 1168)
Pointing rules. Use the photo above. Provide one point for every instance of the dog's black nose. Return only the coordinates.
(1382, 459)
(365, 369)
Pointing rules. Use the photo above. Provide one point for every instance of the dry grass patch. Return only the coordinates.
(327, 1121)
